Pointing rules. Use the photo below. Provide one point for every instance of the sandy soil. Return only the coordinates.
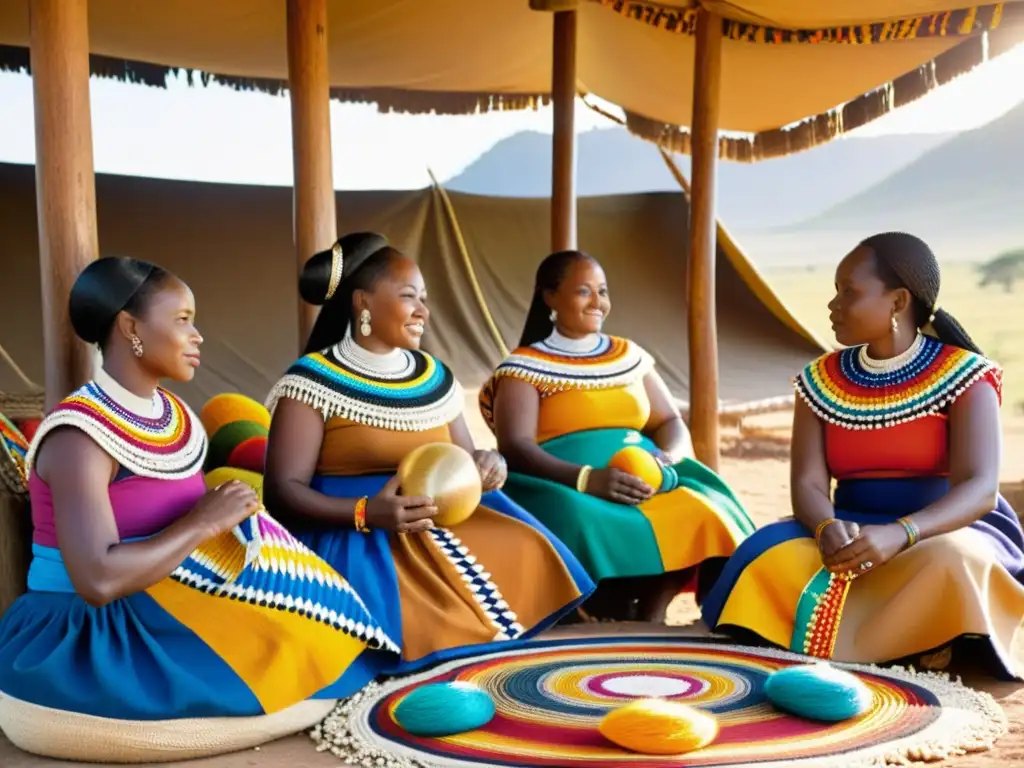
(755, 462)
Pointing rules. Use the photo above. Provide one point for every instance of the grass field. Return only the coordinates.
(994, 318)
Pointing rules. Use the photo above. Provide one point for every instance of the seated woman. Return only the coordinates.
(915, 533)
(155, 606)
(345, 415)
(562, 405)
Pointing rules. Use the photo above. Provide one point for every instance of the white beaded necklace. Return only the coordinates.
(149, 408)
(891, 364)
(588, 345)
(396, 364)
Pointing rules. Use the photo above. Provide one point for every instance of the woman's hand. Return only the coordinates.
(492, 467)
(403, 514)
(876, 545)
(618, 486)
(225, 507)
(835, 536)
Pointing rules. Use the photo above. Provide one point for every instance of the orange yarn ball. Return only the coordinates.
(638, 462)
(446, 473)
(658, 727)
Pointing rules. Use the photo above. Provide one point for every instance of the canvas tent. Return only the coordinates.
(232, 244)
(783, 61)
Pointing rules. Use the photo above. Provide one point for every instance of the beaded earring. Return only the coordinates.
(137, 346)
(364, 323)
(895, 325)
(553, 316)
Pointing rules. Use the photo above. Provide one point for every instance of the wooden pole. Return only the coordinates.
(65, 181)
(703, 248)
(315, 226)
(563, 166)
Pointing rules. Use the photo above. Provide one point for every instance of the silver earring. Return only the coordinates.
(895, 325)
(136, 346)
(554, 315)
(364, 323)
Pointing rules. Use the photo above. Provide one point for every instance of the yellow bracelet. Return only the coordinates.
(822, 526)
(913, 532)
(583, 478)
(359, 516)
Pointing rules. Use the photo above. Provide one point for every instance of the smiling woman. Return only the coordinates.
(345, 415)
(127, 620)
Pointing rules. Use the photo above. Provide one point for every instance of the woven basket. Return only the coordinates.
(22, 405)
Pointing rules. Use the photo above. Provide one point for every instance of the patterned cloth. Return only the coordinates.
(887, 444)
(250, 623)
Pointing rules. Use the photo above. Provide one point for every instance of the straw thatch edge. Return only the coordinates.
(764, 145)
(16, 59)
(854, 114)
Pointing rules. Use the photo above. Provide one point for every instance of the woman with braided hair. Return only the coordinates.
(915, 554)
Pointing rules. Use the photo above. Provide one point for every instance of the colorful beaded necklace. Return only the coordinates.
(156, 437)
(851, 390)
(404, 391)
(559, 364)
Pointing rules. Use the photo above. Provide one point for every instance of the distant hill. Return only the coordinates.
(755, 196)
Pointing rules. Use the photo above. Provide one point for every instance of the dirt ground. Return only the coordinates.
(755, 463)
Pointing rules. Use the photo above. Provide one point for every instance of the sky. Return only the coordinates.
(217, 134)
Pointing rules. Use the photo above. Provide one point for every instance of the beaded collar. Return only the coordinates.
(851, 390)
(558, 364)
(154, 437)
(403, 391)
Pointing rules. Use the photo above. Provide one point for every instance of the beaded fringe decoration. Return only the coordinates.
(972, 721)
(840, 391)
(550, 374)
(960, 22)
(333, 404)
(823, 628)
(140, 447)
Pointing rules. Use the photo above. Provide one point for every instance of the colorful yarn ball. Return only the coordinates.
(659, 727)
(229, 437)
(818, 692)
(223, 474)
(223, 409)
(444, 709)
(249, 454)
(639, 462)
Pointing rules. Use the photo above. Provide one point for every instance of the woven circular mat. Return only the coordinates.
(550, 696)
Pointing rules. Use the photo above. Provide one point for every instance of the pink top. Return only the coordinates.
(142, 505)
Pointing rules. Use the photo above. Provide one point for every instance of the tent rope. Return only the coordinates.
(17, 370)
(453, 222)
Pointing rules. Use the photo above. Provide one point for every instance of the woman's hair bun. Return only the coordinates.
(102, 290)
(322, 274)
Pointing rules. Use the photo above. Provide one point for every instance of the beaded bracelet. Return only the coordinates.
(359, 516)
(583, 478)
(913, 532)
(822, 526)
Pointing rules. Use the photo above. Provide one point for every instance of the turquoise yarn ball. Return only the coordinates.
(818, 692)
(444, 709)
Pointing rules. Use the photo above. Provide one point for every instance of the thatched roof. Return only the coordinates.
(795, 74)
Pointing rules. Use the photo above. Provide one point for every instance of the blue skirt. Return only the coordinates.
(474, 567)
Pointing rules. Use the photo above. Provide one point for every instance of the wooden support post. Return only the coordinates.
(563, 166)
(703, 248)
(315, 226)
(65, 181)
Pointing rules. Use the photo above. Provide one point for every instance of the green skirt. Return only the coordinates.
(698, 520)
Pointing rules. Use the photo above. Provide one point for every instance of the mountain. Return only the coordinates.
(964, 197)
(754, 196)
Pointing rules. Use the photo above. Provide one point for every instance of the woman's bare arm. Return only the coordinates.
(101, 568)
(516, 409)
(665, 425)
(975, 450)
(809, 478)
(293, 449)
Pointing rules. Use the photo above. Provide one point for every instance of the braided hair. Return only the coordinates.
(906, 261)
(538, 324)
